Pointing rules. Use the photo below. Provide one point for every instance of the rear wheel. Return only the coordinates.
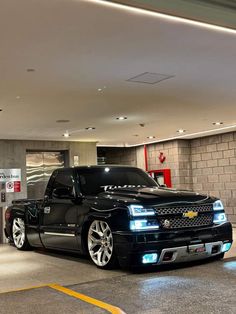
(19, 234)
(100, 245)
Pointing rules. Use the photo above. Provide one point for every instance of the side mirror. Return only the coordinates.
(63, 193)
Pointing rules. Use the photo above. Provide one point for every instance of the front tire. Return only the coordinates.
(19, 234)
(100, 245)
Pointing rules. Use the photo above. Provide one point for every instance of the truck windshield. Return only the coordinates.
(96, 180)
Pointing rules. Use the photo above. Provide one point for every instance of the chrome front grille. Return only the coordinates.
(182, 222)
(175, 217)
(183, 209)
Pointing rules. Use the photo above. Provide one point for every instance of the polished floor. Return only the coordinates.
(205, 287)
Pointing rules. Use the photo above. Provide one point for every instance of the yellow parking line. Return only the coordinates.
(110, 308)
(26, 289)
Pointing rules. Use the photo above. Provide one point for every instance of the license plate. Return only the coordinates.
(198, 249)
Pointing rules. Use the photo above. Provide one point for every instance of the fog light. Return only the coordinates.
(226, 247)
(150, 258)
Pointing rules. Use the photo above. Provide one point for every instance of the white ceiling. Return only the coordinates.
(79, 46)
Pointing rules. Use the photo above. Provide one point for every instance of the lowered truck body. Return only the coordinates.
(118, 214)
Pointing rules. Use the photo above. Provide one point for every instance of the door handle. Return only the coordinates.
(47, 210)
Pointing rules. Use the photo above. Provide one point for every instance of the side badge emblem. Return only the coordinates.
(166, 223)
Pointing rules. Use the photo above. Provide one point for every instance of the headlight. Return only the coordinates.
(219, 218)
(139, 210)
(218, 205)
(143, 224)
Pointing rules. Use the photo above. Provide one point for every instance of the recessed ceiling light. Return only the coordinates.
(217, 123)
(90, 128)
(17, 97)
(151, 137)
(66, 134)
(63, 121)
(30, 70)
(101, 88)
(181, 131)
(121, 118)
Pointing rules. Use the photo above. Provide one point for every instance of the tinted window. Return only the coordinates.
(96, 180)
(63, 179)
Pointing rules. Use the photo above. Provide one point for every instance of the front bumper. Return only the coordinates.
(131, 246)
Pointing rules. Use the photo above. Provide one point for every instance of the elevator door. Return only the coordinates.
(40, 166)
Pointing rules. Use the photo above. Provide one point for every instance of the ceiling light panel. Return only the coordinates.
(217, 123)
(121, 118)
(63, 121)
(149, 78)
(66, 134)
(181, 131)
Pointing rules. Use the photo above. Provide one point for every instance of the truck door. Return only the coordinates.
(59, 213)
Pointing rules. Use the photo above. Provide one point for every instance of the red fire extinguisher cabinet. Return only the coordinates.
(162, 176)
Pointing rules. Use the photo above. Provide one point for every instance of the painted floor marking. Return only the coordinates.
(108, 307)
(26, 289)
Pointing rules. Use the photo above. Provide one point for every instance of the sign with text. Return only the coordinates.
(12, 179)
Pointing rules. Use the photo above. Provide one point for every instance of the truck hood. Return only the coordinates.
(155, 195)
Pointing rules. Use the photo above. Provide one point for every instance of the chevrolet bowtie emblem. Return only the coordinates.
(190, 214)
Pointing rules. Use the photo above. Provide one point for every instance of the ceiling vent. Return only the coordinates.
(149, 78)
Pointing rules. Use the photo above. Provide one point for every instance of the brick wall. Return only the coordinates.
(118, 155)
(206, 165)
(178, 159)
(214, 168)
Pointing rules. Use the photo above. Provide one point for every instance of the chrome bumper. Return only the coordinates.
(187, 253)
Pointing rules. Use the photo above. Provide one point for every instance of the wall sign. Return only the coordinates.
(76, 161)
(12, 179)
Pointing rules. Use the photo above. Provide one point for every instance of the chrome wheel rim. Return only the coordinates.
(100, 242)
(18, 232)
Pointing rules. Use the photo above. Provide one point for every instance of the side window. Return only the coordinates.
(63, 180)
(49, 187)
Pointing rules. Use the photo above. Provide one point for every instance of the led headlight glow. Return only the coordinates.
(219, 218)
(218, 205)
(143, 224)
(139, 210)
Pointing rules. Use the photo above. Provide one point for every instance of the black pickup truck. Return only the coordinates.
(119, 214)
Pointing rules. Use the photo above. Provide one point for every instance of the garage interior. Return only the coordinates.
(149, 84)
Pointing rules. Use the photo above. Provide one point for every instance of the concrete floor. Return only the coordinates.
(197, 288)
